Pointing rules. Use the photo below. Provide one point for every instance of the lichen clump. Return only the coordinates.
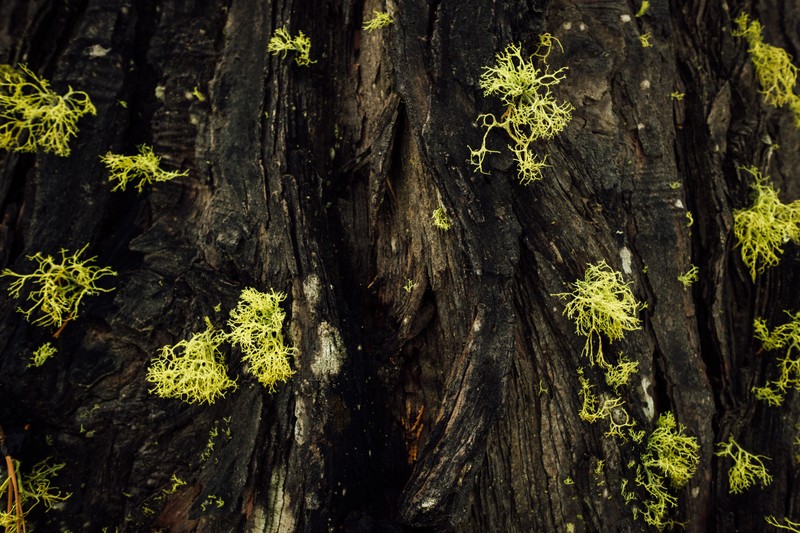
(256, 327)
(601, 303)
(441, 219)
(784, 337)
(532, 112)
(747, 469)
(379, 20)
(143, 167)
(34, 117)
(671, 456)
(42, 354)
(773, 65)
(762, 229)
(192, 370)
(283, 42)
(59, 287)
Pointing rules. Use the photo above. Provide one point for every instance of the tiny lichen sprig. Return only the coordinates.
(283, 42)
(690, 277)
(747, 469)
(59, 287)
(441, 219)
(379, 20)
(774, 69)
(144, 167)
(787, 524)
(602, 302)
(192, 371)
(619, 374)
(256, 327)
(786, 336)
(762, 229)
(532, 112)
(34, 117)
(612, 408)
(42, 354)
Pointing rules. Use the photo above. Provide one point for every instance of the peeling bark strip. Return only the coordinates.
(436, 383)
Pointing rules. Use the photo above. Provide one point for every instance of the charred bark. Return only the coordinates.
(452, 403)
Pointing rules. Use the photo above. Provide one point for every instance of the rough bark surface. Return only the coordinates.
(320, 182)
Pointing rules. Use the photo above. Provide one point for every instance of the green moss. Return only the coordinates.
(193, 370)
(532, 112)
(601, 303)
(33, 117)
(784, 337)
(59, 287)
(762, 229)
(379, 20)
(776, 74)
(747, 469)
(282, 43)
(143, 167)
(256, 327)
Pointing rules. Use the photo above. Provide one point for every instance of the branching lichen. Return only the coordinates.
(787, 524)
(762, 229)
(283, 42)
(256, 327)
(42, 354)
(619, 374)
(532, 112)
(672, 455)
(59, 287)
(441, 219)
(379, 20)
(193, 370)
(33, 488)
(690, 277)
(747, 469)
(601, 303)
(143, 167)
(774, 69)
(34, 117)
(612, 408)
(784, 337)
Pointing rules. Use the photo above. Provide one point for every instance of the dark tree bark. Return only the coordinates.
(320, 182)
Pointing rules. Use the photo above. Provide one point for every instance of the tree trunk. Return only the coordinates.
(450, 402)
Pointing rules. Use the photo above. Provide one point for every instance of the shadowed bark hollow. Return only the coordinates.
(436, 383)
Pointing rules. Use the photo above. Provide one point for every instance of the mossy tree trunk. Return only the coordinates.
(451, 403)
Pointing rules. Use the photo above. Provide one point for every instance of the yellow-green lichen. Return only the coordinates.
(601, 303)
(671, 455)
(532, 112)
(256, 327)
(762, 229)
(747, 469)
(58, 287)
(619, 374)
(689, 277)
(42, 354)
(32, 489)
(143, 167)
(379, 20)
(776, 74)
(282, 42)
(784, 337)
(192, 370)
(441, 219)
(786, 524)
(33, 117)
